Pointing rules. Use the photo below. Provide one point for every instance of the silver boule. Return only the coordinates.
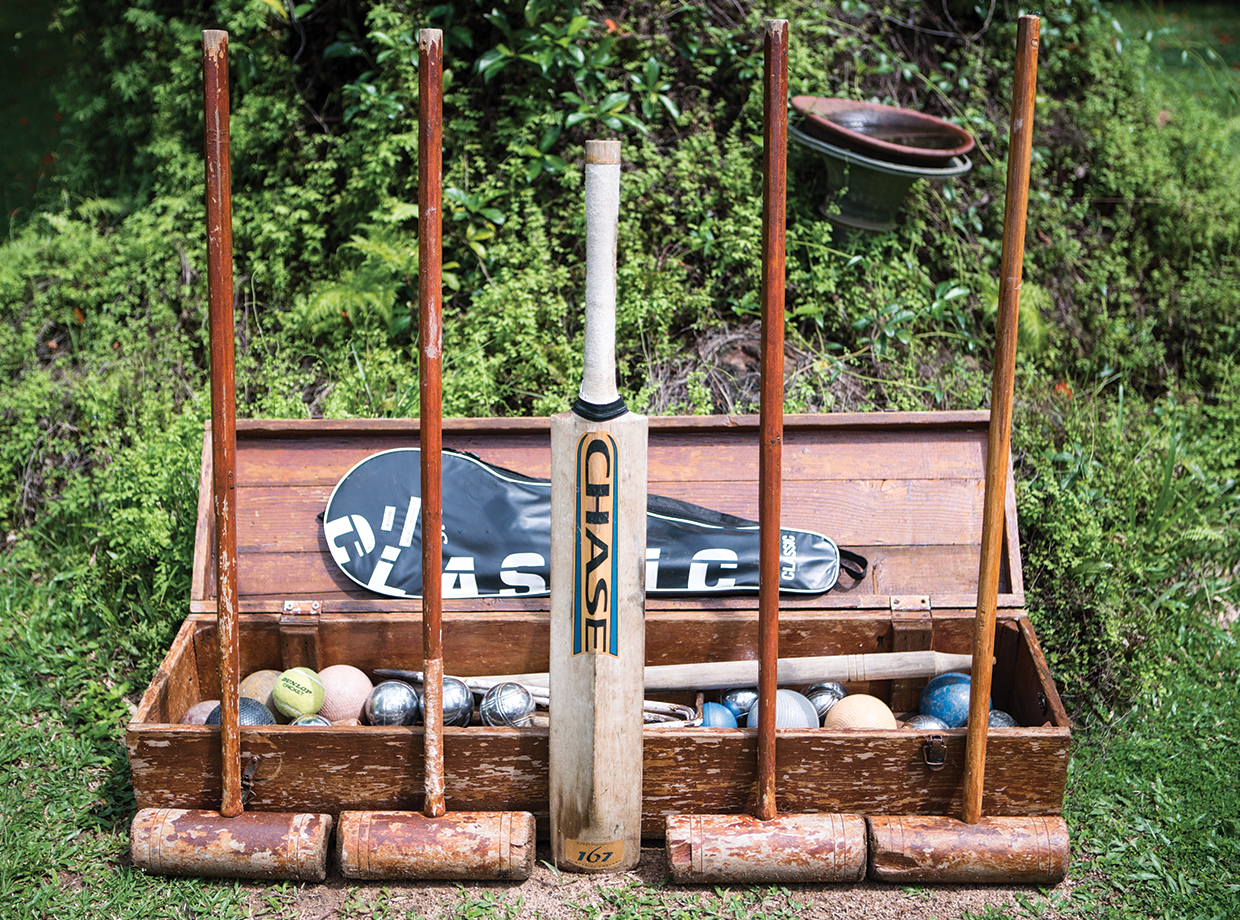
(392, 702)
(792, 710)
(824, 696)
(316, 719)
(740, 700)
(1000, 719)
(927, 723)
(507, 704)
(458, 702)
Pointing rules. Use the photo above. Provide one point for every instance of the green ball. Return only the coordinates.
(298, 692)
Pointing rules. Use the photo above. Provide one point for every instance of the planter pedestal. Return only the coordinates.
(872, 190)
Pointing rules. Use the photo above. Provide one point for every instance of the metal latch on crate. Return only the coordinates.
(935, 752)
(299, 634)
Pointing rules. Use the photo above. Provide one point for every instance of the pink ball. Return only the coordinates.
(345, 691)
(197, 714)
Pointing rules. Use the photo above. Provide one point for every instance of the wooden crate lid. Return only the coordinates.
(903, 489)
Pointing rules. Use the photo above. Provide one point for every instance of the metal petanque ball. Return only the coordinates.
(926, 723)
(824, 696)
(1000, 719)
(507, 704)
(315, 720)
(458, 702)
(392, 702)
(740, 700)
(249, 712)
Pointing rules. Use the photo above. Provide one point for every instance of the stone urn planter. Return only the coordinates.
(874, 153)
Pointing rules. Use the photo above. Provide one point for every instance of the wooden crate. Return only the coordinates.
(903, 489)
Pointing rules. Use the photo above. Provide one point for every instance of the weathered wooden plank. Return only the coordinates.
(1011, 572)
(944, 573)
(868, 513)
(175, 685)
(207, 653)
(478, 643)
(358, 601)
(203, 582)
(831, 447)
(1038, 698)
(1003, 680)
(704, 771)
(711, 425)
(810, 455)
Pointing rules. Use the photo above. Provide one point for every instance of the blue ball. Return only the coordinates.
(716, 715)
(947, 698)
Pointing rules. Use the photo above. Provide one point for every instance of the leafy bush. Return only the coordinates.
(1126, 512)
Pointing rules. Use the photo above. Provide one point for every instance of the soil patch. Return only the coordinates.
(553, 895)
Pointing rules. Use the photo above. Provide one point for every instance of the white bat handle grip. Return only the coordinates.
(598, 384)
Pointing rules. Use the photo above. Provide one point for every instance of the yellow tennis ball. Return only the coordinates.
(298, 692)
(860, 710)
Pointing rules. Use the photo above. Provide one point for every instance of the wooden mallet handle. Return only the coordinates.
(720, 675)
(998, 447)
(770, 456)
(430, 428)
(223, 404)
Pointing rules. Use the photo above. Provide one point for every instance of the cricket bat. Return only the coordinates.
(598, 561)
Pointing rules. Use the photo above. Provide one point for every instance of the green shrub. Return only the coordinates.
(1126, 512)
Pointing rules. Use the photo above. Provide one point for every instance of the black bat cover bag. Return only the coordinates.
(497, 536)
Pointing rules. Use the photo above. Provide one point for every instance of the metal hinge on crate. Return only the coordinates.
(299, 634)
(912, 630)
